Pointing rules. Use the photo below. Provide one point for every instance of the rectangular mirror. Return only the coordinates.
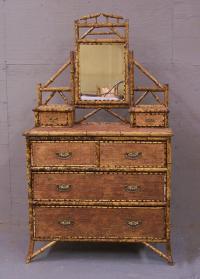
(102, 72)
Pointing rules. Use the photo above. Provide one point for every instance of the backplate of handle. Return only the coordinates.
(63, 155)
(150, 120)
(64, 187)
(134, 223)
(133, 155)
(132, 188)
(65, 222)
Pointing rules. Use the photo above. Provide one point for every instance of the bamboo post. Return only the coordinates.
(39, 94)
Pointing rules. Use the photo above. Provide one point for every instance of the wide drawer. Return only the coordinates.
(91, 186)
(99, 222)
(133, 154)
(64, 154)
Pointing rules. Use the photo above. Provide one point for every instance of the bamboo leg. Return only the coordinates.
(167, 257)
(169, 252)
(32, 254)
(30, 250)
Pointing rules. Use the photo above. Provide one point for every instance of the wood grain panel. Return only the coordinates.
(69, 222)
(116, 154)
(55, 154)
(98, 186)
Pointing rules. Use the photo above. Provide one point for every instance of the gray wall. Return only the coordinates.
(35, 39)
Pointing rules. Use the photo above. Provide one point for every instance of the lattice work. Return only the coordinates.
(153, 91)
(116, 115)
(111, 28)
(52, 90)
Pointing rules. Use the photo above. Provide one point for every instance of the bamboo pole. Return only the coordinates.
(55, 89)
(57, 74)
(146, 73)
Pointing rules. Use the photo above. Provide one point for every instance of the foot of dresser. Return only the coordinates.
(167, 257)
(32, 254)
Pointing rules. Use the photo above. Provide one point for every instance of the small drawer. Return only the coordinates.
(64, 154)
(150, 119)
(133, 154)
(48, 118)
(99, 222)
(99, 186)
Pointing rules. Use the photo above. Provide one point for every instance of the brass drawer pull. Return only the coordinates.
(64, 187)
(133, 155)
(134, 224)
(64, 155)
(65, 223)
(132, 188)
(149, 120)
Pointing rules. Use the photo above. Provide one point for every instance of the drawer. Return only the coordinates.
(64, 154)
(98, 186)
(133, 154)
(99, 222)
(150, 119)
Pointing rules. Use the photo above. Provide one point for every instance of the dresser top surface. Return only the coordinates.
(98, 129)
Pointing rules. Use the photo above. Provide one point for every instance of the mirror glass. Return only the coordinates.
(102, 72)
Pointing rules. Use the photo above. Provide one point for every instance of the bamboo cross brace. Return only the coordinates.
(146, 73)
(57, 73)
(168, 258)
(116, 32)
(88, 115)
(63, 97)
(141, 98)
(87, 32)
(41, 250)
(49, 98)
(117, 115)
(156, 98)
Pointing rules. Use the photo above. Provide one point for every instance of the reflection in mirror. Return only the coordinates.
(102, 72)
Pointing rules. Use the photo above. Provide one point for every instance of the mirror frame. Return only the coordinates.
(81, 39)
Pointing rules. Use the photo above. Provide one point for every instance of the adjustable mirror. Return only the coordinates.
(101, 61)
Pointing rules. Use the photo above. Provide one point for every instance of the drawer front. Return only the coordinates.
(64, 154)
(97, 222)
(49, 118)
(150, 119)
(133, 154)
(98, 186)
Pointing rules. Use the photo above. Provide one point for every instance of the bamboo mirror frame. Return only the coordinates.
(101, 61)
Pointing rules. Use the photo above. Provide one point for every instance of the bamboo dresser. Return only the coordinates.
(105, 182)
